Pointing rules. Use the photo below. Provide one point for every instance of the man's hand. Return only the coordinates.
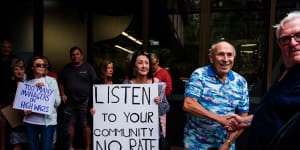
(237, 122)
(223, 120)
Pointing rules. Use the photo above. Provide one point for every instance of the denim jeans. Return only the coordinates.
(40, 137)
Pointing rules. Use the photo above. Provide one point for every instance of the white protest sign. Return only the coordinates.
(31, 97)
(126, 117)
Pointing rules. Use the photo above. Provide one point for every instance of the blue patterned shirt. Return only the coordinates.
(222, 98)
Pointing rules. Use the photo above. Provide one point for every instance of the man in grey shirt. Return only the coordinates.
(76, 80)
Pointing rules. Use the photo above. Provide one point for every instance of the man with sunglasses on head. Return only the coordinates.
(270, 122)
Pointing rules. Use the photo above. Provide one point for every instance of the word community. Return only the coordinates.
(124, 132)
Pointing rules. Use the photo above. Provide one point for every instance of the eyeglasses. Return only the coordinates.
(40, 65)
(287, 39)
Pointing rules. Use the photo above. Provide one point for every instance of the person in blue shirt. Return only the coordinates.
(213, 92)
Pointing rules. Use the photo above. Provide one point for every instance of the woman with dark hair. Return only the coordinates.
(141, 73)
(106, 71)
(105, 76)
(41, 127)
(140, 67)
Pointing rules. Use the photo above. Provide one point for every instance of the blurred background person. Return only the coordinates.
(104, 76)
(49, 71)
(105, 73)
(161, 73)
(76, 80)
(6, 58)
(18, 135)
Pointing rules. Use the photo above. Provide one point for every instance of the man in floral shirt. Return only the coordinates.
(211, 93)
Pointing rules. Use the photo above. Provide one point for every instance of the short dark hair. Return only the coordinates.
(72, 49)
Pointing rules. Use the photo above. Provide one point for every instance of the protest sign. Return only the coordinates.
(31, 97)
(126, 117)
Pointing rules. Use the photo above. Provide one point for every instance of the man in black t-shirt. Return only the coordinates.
(76, 80)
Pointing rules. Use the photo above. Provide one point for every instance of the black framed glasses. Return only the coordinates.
(287, 39)
(40, 65)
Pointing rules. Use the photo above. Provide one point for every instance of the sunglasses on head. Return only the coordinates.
(40, 65)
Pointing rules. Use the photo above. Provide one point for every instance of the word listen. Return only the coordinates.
(133, 95)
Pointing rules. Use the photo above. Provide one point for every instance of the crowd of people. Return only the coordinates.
(216, 98)
(72, 97)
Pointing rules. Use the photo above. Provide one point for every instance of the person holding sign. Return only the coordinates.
(41, 127)
(211, 93)
(141, 73)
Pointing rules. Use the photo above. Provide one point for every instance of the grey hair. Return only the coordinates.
(153, 56)
(290, 16)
